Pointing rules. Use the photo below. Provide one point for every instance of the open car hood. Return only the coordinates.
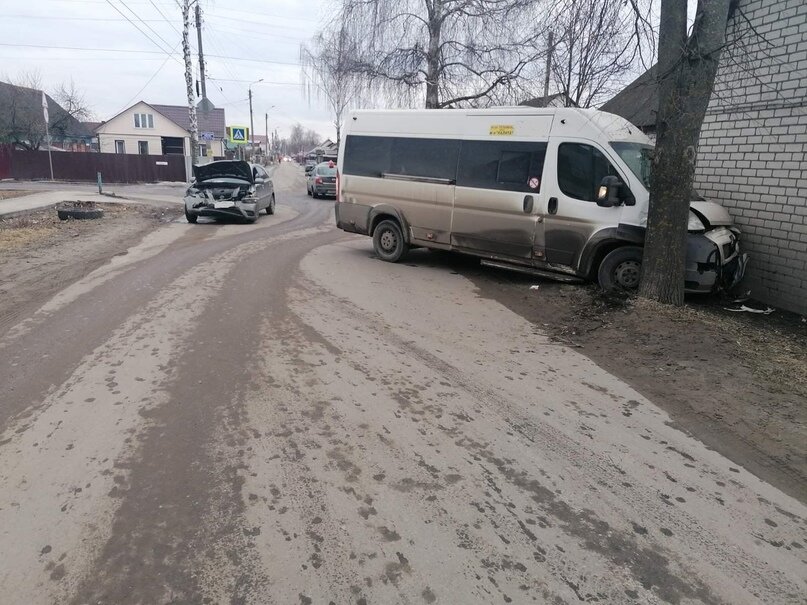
(711, 213)
(223, 169)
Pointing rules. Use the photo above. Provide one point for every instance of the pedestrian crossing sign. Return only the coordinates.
(239, 134)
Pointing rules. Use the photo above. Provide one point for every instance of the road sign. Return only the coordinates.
(239, 135)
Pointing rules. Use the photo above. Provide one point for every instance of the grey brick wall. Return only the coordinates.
(752, 156)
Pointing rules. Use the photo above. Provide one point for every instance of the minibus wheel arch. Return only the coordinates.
(385, 213)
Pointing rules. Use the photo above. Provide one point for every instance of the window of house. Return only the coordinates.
(202, 150)
(581, 168)
(120, 147)
(144, 120)
(143, 147)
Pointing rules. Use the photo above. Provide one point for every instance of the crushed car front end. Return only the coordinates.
(714, 258)
(223, 189)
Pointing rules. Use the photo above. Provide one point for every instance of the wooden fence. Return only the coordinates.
(84, 166)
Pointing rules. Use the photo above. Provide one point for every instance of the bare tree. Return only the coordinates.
(597, 43)
(22, 122)
(446, 52)
(301, 139)
(327, 62)
(74, 106)
(686, 70)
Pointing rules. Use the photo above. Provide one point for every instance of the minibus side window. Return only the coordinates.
(514, 167)
(367, 156)
(509, 166)
(431, 158)
(581, 168)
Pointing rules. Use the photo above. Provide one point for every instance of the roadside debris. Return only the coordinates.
(79, 210)
(746, 309)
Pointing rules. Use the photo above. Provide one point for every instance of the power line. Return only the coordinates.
(147, 52)
(254, 22)
(151, 29)
(240, 30)
(263, 82)
(114, 19)
(159, 69)
(164, 17)
(150, 39)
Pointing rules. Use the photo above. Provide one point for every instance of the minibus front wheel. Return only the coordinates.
(621, 269)
(388, 241)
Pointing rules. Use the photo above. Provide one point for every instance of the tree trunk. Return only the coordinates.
(686, 74)
(433, 59)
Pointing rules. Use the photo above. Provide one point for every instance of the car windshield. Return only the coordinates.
(638, 157)
(326, 171)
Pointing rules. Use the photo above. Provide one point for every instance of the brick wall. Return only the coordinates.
(752, 156)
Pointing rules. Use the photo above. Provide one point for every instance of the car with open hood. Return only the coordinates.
(229, 189)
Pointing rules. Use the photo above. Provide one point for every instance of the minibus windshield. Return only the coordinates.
(638, 157)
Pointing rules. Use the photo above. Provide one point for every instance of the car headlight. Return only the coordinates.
(695, 224)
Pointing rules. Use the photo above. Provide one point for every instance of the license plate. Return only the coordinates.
(223, 204)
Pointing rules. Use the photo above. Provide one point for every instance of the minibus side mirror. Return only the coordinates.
(610, 192)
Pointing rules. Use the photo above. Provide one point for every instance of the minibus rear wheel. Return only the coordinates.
(388, 241)
(621, 269)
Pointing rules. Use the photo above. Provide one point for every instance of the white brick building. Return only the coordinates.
(752, 156)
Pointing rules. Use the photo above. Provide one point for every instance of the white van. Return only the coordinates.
(557, 192)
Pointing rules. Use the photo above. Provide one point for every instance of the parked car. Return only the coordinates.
(557, 192)
(322, 180)
(229, 189)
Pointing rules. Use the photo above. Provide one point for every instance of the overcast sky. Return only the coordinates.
(244, 40)
(260, 37)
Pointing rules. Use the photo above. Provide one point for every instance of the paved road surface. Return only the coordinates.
(268, 414)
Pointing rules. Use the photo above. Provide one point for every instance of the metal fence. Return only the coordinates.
(78, 166)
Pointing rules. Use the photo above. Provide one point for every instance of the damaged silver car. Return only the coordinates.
(229, 189)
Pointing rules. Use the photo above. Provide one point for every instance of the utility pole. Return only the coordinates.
(251, 127)
(549, 52)
(186, 52)
(267, 133)
(201, 52)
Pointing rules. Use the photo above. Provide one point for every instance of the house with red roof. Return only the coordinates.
(156, 129)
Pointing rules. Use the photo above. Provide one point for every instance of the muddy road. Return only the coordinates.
(268, 414)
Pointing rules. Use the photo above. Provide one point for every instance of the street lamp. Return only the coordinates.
(267, 128)
(251, 127)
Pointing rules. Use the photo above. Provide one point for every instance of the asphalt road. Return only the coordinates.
(268, 414)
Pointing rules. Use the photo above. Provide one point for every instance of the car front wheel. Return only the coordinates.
(388, 241)
(621, 269)
(190, 217)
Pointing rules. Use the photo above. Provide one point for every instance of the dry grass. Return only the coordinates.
(775, 347)
(9, 193)
(25, 230)
(23, 236)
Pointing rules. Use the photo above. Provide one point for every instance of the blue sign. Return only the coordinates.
(238, 134)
